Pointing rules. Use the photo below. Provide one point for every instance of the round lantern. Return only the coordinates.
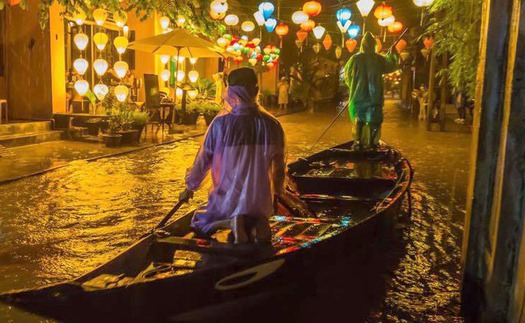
(266, 8)
(223, 42)
(423, 3)
(365, 6)
(100, 39)
(309, 25)
(312, 8)
(164, 59)
(395, 27)
(282, 29)
(231, 20)
(253, 61)
(383, 11)
(338, 52)
(181, 20)
(256, 41)
(164, 22)
(121, 68)
(259, 18)
(219, 6)
(428, 42)
(299, 17)
(79, 17)
(270, 65)
(247, 26)
(81, 40)
(121, 44)
(81, 86)
(193, 60)
(386, 21)
(270, 24)
(101, 66)
(80, 65)
(100, 91)
(121, 92)
(343, 15)
(193, 76)
(401, 45)
(120, 18)
(180, 76)
(353, 31)
(193, 94)
(165, 75)
(217, 16)
(301, 35)
(351, 44)
(100, 16)
(319, 32)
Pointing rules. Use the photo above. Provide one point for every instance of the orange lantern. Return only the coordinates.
(282, 29)
(395, 27)
(401, 45)
(351, 44)
(308, 25)
(217, 16)
(312, 8)
(301, 35)
(379, 47)
(327, 42)
(14, 2)
(428, 42)
(383, 11)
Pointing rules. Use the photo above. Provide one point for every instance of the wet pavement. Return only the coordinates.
(64, 223)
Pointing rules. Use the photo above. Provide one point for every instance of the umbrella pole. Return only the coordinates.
(175, 90)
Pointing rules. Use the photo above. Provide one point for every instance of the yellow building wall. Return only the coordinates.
(3, 89)
(58, 58)
(269, 81)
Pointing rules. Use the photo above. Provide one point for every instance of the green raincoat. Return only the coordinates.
(364, 77)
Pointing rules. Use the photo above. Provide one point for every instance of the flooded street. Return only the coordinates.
(56, 226)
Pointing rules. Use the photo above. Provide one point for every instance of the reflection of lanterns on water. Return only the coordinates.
(231, 20)
(164, 59)
(121, 68)
(100, 90)
(121, 44)
(81, 86)
(193, 94)
(193, 76)
(299, 17)
(121, 92)
(120, 18)
(100, 39)
(180, 76)
(80, 66)
(81, 40)
(165, 75)
(100, 16)
(101, 66)
(365, 6)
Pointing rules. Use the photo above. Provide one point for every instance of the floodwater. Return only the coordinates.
(56, 226)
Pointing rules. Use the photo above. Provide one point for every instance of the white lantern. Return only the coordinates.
(231, 20)
(344, 28)
(182, 59)
(256, 41)
(121, 92)
(165, 75)
(101, 66)
(219, 6)
(100, 16)
(121, 44)
(80, 66)
(164, 22)
(81, 86)
(193, 60)
(365, 6)
(79, 17)
(423, 3)
(248, 26)
(193, 94)
(81, 40)
(100, 39)
(120, 18)
(222, 42)
(178, 93)
(259, 18)
(100, 90)
(164, 59)
(180, 76)
(299, 17)
(181, 20)
(193, 76)
(121, 68)
(387, 21)
(319, 31)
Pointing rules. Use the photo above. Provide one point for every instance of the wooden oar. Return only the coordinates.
(169, 215)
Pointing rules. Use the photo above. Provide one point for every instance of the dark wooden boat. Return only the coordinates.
(337, 199)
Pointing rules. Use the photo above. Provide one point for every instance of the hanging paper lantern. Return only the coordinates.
(353, 31)
(231, 20)
(81, 65)
(121, 92)
(193, 76)
(179, 93)
(164, 59)
(193, 94)
(13, 2)
(344, 28)
(282, 29)
(164, 22)
(428, 42)
(100, 91)
(351, 44)
(299, 43)
(252, 61)
(81, 86)
(365, 6)
(299, 17)
(100, 39)
(79, 16)
(404, 55)
(270, 24)
(386, 21)
(316, 47)
(217, 16)
(181, 76)
(121, 44)
(301, 35)
(100, 16)
(256, 41)
(247, 26)
(121, 68)
(266, 8)
(81, 40)
(395, 27)
(101, 66)
(165, 75)
(309, 25)
(338, 52)
(423, 3)
(327, 42)
(193, 60)
(270, 65)
(223, 42)
(383, 11)
(319, 32)
(267, 50)
(181, 20)
(120, 18)
(219, 6)
(379, 46)
(401, 45)
(312, 8)
(259, 18)
(125, 31)
(343, 15)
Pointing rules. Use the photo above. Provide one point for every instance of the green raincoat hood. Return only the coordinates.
(369, 43)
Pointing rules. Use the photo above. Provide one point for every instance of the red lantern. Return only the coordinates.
(301, 35)
(351, 44)
(282, 29)
(383, 11)
(395, 27)
(428, 42)
(217, 16)
(327, 42)
(312, 8)
(309, 25)
(238, 59)
(379, 47)
(401, 45)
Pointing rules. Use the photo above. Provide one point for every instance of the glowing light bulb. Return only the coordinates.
(180, 76)
(100, 90)
(80, 65)
(165, 75)
(101, 66)
(81, 40)
(121, 92)
(121, 68)
(193, 76)
(164, 59)
(81, 86)
(164, 22)
(193, 60)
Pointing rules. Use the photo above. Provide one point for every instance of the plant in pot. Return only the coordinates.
(193, 110)
(211, 109)
(140, 120)
(112, 137)
(126, 113)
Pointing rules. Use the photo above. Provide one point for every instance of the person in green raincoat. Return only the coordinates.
(364, 76)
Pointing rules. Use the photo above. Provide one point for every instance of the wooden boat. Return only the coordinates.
(338, 199)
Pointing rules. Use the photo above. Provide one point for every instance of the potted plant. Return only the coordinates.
(193, 110)
(125, 113)
(211, 109)
(112, 138)
(140, 120)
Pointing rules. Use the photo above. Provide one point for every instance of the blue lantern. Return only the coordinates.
(270, 24)
(266, 8)
(343, 15)
(353, 31)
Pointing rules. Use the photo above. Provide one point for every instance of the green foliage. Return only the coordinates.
(195, 106)
(122, 114)
(456, 29)
(206, 89)
(140, 118)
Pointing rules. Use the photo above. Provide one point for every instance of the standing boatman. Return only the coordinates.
(364, 77)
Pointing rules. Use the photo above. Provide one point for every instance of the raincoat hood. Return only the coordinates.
(369, 43)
